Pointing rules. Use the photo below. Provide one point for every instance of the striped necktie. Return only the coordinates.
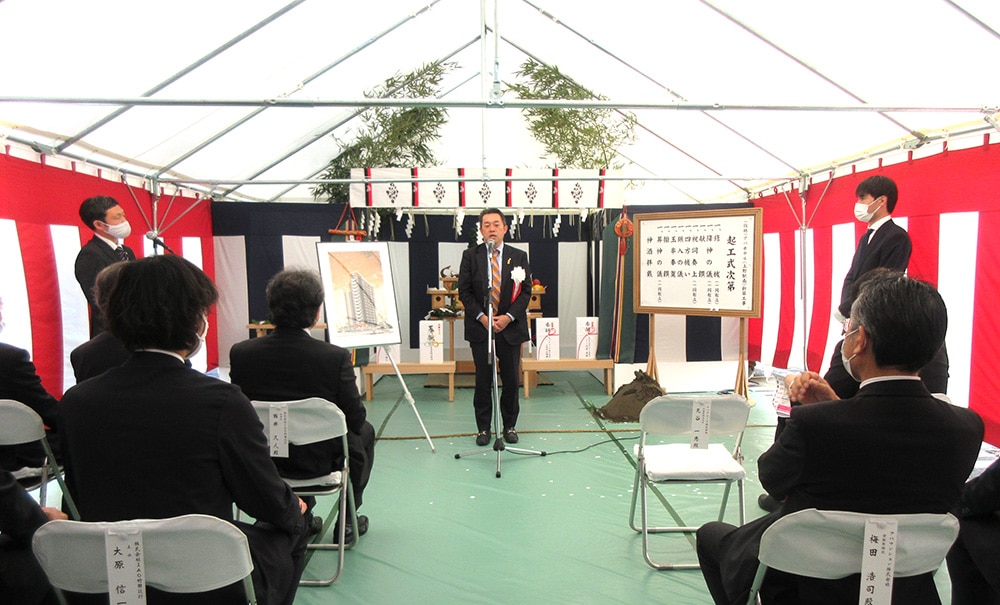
(495, 292)
(122, 255)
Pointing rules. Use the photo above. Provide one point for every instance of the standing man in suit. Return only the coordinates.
(891, 449)
(509, 294)
(155, 439)
(974, 560)
(106, 218)
(19, 381)
(290, 364)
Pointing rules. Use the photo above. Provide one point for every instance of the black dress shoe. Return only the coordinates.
(349, 530)
(483, 438)
(314, 526)
(510, 435)
(768, 503)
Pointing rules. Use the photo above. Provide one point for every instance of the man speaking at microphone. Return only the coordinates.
(106, 218)
(493, 274)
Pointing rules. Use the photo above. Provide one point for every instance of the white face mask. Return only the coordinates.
(847, 360)
(120, 231)
(862, 213)
(201, 339)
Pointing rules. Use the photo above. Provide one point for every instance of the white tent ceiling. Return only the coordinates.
(250, 97)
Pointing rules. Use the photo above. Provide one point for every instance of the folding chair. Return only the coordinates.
(20, 424)
(699, 460)
(309, 421)
(829, 544)
(186, 554)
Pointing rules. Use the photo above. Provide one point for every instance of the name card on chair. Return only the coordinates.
(586, 337)
(701, 421)
(277, 430)
(126, 567)
(878, 561)
(431, 341)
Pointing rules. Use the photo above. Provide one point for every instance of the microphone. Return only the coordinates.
(490, 245)
(152, 235)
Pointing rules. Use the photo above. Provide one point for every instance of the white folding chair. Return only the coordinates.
(20, 424)
(186, 554)
(700, 459)
(829, 544)
(309, 421)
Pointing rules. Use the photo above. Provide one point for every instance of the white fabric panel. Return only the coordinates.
(958, 240)
(844, 243)
(450, 254)
(300, 252)
(772, 297)
(391, 195)
(75, 320)
(572, 294)
(531, 194)
(484, 194)
(671, 338)
(442, 194)
(191, 251)
(232, 311)
(577, 193)
(13, 289)
(731, 337)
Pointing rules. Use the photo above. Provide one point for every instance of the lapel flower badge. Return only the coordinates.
(517, 275)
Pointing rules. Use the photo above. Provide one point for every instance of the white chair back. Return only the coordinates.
(186, 554)
(19, 423)
(828, 544)
(671, 414)
(309, 420)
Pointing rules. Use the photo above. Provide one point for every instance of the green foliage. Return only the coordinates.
(391, 136)
(577, 138)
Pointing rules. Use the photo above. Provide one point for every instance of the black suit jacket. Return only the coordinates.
(474, 287)
(94, 256)
(891, 449)
(290, 364)
(889, 247)
(20, 381)
(97, 355)
(155, 439)
(979, 513)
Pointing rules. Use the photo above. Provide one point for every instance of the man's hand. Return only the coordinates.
(302, 506)
(500, 322)
(54, 514)
(808, 387)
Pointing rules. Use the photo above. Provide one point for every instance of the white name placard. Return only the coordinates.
(126, 568)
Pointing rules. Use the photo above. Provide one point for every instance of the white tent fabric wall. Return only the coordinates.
(719, 86)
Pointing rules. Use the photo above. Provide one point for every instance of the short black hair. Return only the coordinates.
(158, 302)
(95, 209)
(904, 319)
(486, 211)
(878, 186)
(294, 297)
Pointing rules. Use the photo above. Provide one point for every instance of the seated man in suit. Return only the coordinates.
(893, 448)
(290, 364)
(103, 351)
(19, 381)
(974, 560)
(21, 579)
(154, 438)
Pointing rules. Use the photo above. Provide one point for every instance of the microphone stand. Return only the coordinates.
(498, 444)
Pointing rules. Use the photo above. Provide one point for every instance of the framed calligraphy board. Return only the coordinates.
(706, 262)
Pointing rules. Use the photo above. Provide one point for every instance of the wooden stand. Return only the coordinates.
(371, 369)
(531, 366)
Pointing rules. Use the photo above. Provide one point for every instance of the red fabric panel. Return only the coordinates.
(45, 306)
(822, 302)
(984, 382)
(786, 320)
(925, 234)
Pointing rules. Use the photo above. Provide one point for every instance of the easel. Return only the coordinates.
(409, 397)
(352, 233)
(742, 387)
